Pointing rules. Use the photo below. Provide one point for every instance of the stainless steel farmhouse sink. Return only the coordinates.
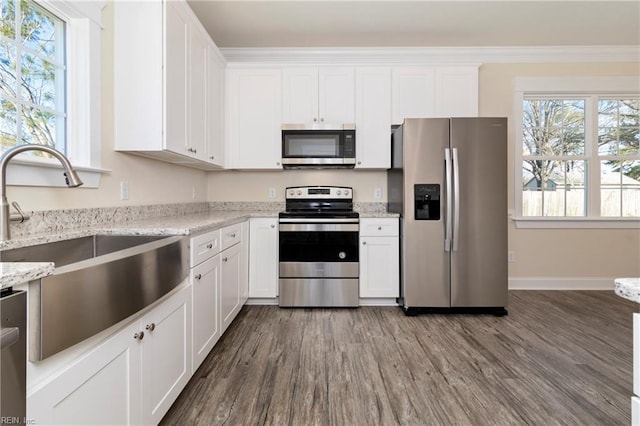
(98, 281)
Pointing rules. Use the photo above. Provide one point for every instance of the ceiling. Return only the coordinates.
(327, 23)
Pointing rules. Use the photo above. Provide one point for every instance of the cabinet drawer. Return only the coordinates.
(378, 227)
(204, 246)
(231, 235)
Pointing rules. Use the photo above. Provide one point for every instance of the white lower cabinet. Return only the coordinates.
(206, 308)
(131, 378)
(379, 258)
(263, 268)
(231, 288)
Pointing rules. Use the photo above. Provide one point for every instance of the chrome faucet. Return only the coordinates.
(71, 178)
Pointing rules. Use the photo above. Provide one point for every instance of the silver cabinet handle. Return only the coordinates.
(9, 336)
(232, 235)
(379, 228)
(359, 162)
(315, 119)
(273, 226)
(224, 259)
(151, 327)
(212, 158)
(322, 119)
(364, 243)
(139, 335)
(197, 277)
(209, 246)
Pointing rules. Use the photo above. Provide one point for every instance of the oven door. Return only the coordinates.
(318, 250)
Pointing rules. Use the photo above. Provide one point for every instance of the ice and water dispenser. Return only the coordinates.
(426, 201)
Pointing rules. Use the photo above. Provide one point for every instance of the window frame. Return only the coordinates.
(83, 22)
(570, 87)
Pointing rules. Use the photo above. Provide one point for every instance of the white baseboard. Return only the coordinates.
(262, 301)
(550, 283)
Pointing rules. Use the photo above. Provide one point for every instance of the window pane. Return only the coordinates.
(618, 126)
(40, 127)
(553, 127)
(8, 124)
(554, 188)
(8, 16)
(620, 188)
(8, 70)
(39, 81)
(38, 29)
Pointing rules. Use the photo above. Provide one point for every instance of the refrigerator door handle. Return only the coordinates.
(448, 224)
(456, 199)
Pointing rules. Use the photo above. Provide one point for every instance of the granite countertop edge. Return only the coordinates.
(628, 288)
(13, 273)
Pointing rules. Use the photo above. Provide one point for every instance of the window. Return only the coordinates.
(577, 151)
(54, 47)
(32, 67)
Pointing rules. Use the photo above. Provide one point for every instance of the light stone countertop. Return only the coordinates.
(12, 273)
(628, 288)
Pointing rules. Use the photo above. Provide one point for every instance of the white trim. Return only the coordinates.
(378, 302)
(262, 301)
(35, 173)
(433, 55)
(549, 283)
(576, 223)
(576, 85)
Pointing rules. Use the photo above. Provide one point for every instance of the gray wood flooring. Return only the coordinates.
(557, 358)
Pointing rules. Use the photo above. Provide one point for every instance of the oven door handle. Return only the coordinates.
(309, 220)
(8, 337)
(319, 227)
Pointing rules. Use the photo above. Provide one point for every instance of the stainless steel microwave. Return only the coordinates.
(318, 146)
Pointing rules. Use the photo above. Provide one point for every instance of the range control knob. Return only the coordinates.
(342, 255)
(299, 192)
(346, 192)
(338, 192)
(291, 192)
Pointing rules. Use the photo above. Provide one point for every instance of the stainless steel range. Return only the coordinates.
(319, 248)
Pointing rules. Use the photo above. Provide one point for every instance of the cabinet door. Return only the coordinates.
(103, 387)
(300, 95)
(379, 267)
(412, 93)
(165, 354)
(230, 286)
(206, 308)
(263, 270)
(244, 267)
(373, 118)
(197, 112)
(215, 102)
(253, 118)
(456, 91)
(176, 72)
(336, 93)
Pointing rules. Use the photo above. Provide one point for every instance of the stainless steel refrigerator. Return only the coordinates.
(448, 181)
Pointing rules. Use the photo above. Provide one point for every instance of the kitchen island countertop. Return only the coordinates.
(628, 288)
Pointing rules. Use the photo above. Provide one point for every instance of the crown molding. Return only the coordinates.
(432, 55)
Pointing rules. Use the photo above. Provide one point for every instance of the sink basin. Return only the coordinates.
(75, 250)
(98, 281)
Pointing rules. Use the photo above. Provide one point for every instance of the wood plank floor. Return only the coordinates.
(558, 358)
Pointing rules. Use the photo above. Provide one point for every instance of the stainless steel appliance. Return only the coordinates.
(318, 240)
(13, 357)
(318, 145)
(448, 181)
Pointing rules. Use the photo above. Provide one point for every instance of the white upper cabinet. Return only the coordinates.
(413, 93)
(442, 91)
(215, 106)
(253, 112)
(456, 91)
(373, 117)
(318, 95)
(162, 99)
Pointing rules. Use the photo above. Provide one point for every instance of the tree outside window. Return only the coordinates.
(32, 71)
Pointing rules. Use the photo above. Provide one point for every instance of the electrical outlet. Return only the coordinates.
(377, 193)
(511, 256)
(124, 190)
(272, 192)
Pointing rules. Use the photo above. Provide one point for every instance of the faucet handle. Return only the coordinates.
(21, 216)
